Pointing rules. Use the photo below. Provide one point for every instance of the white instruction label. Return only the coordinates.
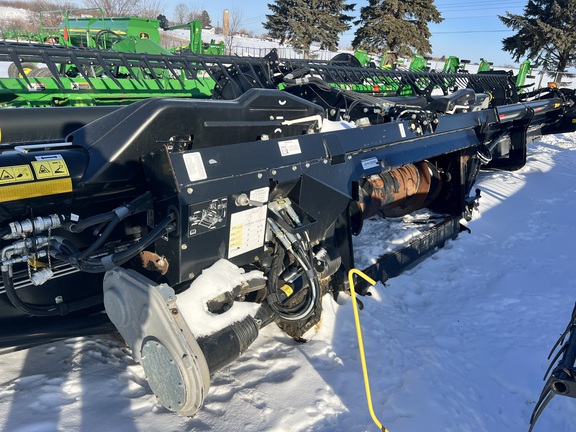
(289, 147)
(370, 163)
(260, 195)
(50, 157)
(247, 230)
(402, 130)
(195, 166)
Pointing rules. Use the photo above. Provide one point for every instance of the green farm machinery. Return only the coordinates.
(90, 77)
(90, 29)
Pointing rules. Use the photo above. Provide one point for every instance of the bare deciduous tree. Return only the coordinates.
(149, 8)
(115, 8)
(181, 12)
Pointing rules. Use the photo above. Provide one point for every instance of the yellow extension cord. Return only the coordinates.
(371, 281)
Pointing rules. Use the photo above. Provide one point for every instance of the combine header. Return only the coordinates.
(80, 77)
(187, 224)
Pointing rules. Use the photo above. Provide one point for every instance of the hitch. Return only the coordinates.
(562, 380)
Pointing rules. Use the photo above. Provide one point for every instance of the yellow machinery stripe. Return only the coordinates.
(33, 190)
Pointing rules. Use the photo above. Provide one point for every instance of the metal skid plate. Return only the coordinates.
(148, 318)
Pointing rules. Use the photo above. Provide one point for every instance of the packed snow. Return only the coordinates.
(457, 343)
(222, 277)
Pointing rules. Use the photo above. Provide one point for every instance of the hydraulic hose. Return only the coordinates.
(43, 310)
(108, 262)
(36, 310)
(121, 213)
(80, 226)
(139, 204)
(300, 311)
(5, 231)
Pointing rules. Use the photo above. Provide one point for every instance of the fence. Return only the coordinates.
(283, 52)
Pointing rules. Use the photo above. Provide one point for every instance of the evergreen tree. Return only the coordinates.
(396, 25)
(206, 22)
(303, 22)
(546, 34)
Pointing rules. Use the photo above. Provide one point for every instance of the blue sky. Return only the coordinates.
(470, 30)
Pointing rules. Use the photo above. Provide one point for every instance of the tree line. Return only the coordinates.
(545, 32)
(384, 25)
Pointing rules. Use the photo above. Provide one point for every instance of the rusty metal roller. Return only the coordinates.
(399, 191)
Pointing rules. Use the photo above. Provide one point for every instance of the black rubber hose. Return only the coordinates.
(102, 33)
(101, 239)
(117, 259)
(36, 310)
(78, 227)
(5, 231)
(139, 204)
(44, 310)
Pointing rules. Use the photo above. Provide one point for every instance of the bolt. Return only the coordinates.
(294, 168)
(307, 165)
(174, 311)
(184, 247)
(273, 172)
(260, 175)
(191, 276)
(189, 190)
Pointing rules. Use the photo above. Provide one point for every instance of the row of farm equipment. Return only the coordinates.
(131, 179)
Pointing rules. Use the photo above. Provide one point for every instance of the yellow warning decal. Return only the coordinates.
(34, 190)
(15, 173)
(50, 168)
(287, 290)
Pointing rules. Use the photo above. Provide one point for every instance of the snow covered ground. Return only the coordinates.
(458, 343)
